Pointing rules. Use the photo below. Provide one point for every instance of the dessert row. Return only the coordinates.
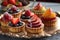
(17, 3)
(34, 20)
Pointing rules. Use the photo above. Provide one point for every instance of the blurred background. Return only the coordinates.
(48, 0)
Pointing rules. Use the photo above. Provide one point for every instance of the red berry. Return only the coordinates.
(5, 3)
(19, 4)
(12, 2)
(14, 8)
(7, 16)
(15, 20)
(28, 13)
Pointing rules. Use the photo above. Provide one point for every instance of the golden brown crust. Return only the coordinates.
(35, 30)
(25, 20)
(39, 15)
(17, 15)
(49, 25)
(4, 29)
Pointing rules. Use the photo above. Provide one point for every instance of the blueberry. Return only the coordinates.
(20, 23)
(10, 24)
(16, 25)
(10, 11)
(25, 17)
(17, 10)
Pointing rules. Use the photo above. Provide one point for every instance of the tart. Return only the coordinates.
(49, 19)
(14, 11)
(26, 16)
(16, 26)
(35, 25)
(18, 3)
(4, 21)
(39, 9)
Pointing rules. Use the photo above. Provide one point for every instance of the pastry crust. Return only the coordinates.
(35, 30)
(17, 29)
(17, 15)
(50, 25)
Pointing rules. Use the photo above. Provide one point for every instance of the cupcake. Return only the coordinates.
(49, 19)
(16, 26)
(14, 11)
(26, 16)
(35, 25)
(4, 21)
(39, 9)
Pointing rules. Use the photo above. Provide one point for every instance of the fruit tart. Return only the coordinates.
(39, 9)
(14, 11)
(49, 19)
(5, 20)
(35, 25)
(26, 15)
(16, 26)
(18, 3)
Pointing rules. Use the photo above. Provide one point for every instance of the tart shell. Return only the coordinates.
(35, 30)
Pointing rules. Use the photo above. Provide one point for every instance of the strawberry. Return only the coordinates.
(5, 3)
(12, 2)
(19, 4)
(15, 20)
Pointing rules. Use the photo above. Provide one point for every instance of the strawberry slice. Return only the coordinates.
(12, 2)
(5, 3)
(15, 20)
